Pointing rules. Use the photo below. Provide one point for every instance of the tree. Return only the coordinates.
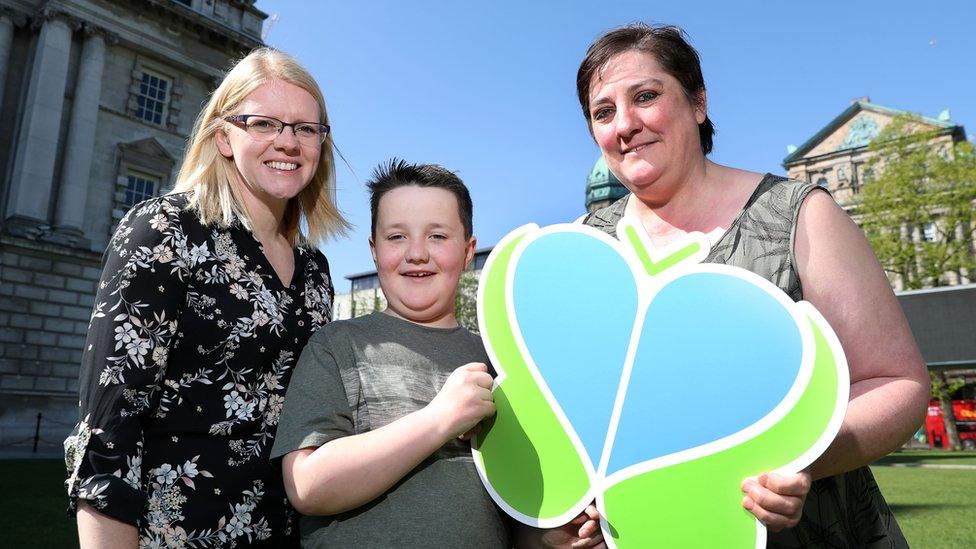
(918, 213)
(942, 389)
(918, 210)
(364, 304)
(465, 301)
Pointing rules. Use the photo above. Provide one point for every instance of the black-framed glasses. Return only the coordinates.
(266, 128)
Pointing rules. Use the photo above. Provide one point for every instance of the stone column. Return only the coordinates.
(31, 184)
(6, 37)
(81, 136)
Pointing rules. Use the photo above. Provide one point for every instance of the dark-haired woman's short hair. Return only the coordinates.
(669, 47)
(398, 173)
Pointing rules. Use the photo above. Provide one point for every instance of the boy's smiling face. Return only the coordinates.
(420, 251)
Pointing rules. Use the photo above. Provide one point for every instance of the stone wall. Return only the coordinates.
(46, 297)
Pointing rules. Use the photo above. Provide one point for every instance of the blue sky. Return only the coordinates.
(488, 88)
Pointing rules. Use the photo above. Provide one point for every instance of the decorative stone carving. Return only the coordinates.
(49, 13)
(861, 131)
(17, 18)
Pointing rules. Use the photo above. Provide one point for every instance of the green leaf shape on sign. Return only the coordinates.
(539, 478)
(642, 510)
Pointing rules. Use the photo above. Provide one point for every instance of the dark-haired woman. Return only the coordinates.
(643, 96)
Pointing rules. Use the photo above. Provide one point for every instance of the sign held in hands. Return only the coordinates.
(649, 382)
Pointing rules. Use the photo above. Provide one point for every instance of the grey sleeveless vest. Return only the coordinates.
(843, 511)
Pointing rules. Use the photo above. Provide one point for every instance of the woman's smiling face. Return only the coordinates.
(644, 124)
(276, 170)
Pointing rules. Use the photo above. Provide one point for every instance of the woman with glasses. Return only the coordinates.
(207, 296)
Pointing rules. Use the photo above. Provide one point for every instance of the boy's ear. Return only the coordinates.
(372, 249)
(469, 252)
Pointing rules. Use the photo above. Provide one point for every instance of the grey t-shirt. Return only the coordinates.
(361, 374)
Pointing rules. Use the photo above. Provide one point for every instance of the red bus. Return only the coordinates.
(965, 412)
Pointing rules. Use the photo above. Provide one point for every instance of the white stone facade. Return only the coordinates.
(97, 98)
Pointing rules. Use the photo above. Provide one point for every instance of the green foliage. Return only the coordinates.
(918, 185)
(465, 301)
(366, 304)
(943, 387)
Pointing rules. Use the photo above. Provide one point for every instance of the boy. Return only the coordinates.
(375, 414)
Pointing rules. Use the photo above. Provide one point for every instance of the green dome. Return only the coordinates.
(602, 184)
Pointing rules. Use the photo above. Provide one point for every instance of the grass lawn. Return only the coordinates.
(32, 509)
(930, 457)
(935, 507)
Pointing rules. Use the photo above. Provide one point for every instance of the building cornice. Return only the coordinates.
(797, 156)
(236, 39)
(126, 31)
(40, 245)
(854, 151)
(18, 17)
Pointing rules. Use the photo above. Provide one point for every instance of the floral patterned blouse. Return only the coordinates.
(191, 345)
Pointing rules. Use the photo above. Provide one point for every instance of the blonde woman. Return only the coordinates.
(206, 299)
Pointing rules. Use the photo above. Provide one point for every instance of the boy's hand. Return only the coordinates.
(777, 498)
(464, 400)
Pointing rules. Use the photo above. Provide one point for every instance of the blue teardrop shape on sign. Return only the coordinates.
(577, 336)
(717, 353)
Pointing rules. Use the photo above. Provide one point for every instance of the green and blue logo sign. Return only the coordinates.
(649, 382)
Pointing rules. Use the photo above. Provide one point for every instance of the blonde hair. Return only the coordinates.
(210, 175)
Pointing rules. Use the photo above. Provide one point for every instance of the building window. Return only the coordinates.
(479, 262)
(929, 233)
(822, 182)
(857, 175)
(139, 187)
(365, 283)
(152, 98)
(868, 175)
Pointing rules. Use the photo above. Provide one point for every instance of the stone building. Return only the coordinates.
(837, 157)
(97, 98)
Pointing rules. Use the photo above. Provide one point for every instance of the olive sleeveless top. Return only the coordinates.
(842, 511)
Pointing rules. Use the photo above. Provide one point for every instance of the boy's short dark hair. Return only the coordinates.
(397, 172)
